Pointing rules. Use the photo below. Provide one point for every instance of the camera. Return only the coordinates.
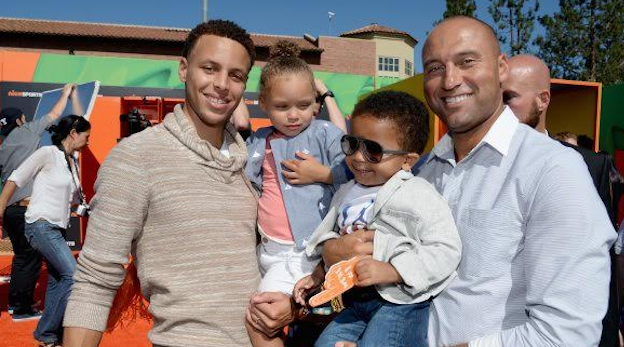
(83, 210)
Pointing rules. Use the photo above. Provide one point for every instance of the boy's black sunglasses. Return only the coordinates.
(371, 150)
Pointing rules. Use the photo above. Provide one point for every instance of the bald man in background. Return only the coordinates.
(527, 93)
(527, 90)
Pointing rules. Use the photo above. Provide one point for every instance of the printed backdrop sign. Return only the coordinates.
(59, 69)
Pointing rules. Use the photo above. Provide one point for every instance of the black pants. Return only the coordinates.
(26, 261)
(611, 321)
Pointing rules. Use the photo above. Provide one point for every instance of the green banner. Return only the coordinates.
(149, 73)
(612, 115)
(110, 71)
(381, 82)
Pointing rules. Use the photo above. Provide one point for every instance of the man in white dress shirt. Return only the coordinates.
(535, 269)
(535, 266)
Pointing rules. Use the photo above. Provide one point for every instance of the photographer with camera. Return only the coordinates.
(54, 172)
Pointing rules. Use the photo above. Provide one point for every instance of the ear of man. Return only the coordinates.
(182, 69)
(503, 68)
(543, 100)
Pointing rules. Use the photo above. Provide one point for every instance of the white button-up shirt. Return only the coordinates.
(535, 266)
(53, 189)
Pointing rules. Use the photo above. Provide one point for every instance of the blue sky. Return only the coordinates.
(278, 17)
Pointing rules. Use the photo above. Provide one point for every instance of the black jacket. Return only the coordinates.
(598, 165)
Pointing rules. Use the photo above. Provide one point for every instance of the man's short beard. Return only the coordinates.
(533, 117)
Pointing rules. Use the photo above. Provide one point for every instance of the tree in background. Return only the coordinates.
(514, 21)
(585, 40)
(609, 63)
(460, 8)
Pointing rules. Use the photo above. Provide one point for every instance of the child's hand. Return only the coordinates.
(303, 287)
(370, 271)
(306, 170)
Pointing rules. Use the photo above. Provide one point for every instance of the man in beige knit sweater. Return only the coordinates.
(176, 198)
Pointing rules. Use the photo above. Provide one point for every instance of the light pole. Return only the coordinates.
(331, 16)
(205, 11)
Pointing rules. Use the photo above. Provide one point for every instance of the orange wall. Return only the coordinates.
(257, 123)
(105, 123)
(18, 66)
(105, 130)
(574, 110)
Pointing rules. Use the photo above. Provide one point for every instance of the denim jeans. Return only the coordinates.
(26, 263)
(49, 240)
(377, 322)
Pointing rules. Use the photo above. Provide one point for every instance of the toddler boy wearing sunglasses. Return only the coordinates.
(416, 245)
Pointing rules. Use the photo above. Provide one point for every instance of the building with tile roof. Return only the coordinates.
(394, 49)
(354, 52)
(119, 55)
(165, 43)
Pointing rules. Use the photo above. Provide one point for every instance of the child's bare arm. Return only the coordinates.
(335, 116)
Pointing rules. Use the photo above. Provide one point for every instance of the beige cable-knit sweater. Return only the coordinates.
(188, 215)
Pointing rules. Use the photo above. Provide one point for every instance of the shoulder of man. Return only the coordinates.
(588, 155)
(144, 142)
(556, 160)
(545, 149)
(597, 163)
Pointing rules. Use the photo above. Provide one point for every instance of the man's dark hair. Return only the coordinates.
(585, 142)
(221, 28)
(410, 117)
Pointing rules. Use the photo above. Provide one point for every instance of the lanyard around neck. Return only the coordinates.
(71, 172)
